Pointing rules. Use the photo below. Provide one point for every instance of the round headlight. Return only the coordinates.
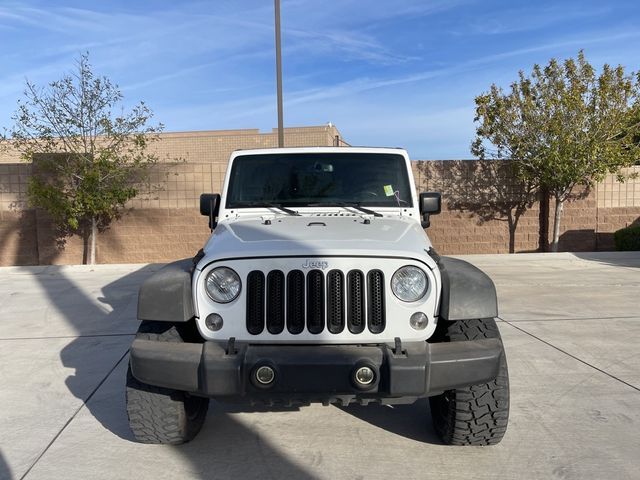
(223, 285)
(409, 283)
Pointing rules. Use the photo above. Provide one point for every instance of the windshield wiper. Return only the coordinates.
(271, 205)
(355, 205)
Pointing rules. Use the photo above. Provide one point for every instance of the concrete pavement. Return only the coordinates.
(571, 328)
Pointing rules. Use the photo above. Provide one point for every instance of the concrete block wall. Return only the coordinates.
(164, 224)
(140, 236)
(617, 205)
(469, 187)
(473, 195)
(18, 240)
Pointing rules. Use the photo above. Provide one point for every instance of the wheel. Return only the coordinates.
(163, 415)
(475, 415)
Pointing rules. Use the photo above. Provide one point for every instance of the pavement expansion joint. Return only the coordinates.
(570, 355)
(70, 336)
(73, 416)
(571, 319)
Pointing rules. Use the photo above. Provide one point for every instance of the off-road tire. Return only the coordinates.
(163, 415)
(476, 415)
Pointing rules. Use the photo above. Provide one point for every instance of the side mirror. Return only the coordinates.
(430, 204)
(210, 206)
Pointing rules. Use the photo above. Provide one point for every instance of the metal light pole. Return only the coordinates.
(279, 75)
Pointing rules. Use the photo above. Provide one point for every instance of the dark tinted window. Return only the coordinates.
(311, 178)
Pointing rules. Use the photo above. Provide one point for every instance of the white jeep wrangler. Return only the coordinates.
(318, 284)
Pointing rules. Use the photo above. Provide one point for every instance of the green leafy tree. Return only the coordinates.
(562, 126)
(88, 159)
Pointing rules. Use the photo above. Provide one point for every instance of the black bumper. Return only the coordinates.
(315, 372)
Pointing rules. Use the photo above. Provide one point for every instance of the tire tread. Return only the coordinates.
(162, 415)
(475, 415)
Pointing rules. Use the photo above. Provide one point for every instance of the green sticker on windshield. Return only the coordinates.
(388, 190)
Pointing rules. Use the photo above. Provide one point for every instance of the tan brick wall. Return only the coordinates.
(18, 243)
(612, 219)
(472, 193)
(159, 225)
(587, 224)
(14, 179)
(215, 146)
(9, 155)
(180, 185)
(18, 240)
(165, 224)
(612, 193)
(140, 236)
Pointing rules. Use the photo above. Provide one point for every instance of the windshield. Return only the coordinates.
(319, 179)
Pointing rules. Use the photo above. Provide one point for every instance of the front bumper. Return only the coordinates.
(309, 373)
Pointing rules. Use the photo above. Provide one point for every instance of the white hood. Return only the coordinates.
(318, 235)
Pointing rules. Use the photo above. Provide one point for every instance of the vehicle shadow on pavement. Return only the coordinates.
(104, 323)
(226, 450)
(246, 407)
(410, 421)
(615, 259)
(5, 472)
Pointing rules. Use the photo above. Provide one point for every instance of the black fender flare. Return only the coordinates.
(166, 296)
(467, 292)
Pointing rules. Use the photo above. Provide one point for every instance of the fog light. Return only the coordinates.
(419, 321)
(365, 376)
(213, 322)
(265, 375)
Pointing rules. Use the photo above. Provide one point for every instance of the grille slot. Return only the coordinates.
(300, 301)
(275, 301)
(295, 301)
(255, 302)
(315, 301)
(335, 301)
(355, 295)
(376, 314)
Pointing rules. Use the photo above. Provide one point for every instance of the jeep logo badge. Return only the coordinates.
(321, 264)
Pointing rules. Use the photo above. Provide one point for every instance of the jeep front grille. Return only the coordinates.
(315, 301)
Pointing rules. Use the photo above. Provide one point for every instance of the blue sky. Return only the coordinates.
(393, 73)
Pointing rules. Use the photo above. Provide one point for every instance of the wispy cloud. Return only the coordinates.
(347, 45)
(531, 17)
(355, 12)
(579, 42)
(58, 20)
(363, 84)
